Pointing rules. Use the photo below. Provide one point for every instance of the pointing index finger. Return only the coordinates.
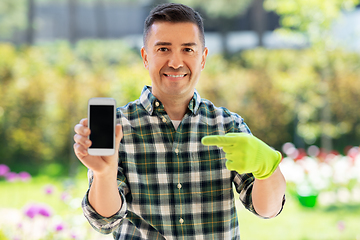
(217, 140)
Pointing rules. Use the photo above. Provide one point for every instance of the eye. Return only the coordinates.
(188, 50)
(163, 49)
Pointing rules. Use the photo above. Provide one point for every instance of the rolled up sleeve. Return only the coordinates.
(105, 225)
(244, 185)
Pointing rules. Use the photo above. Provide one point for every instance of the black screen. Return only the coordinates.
(101, 126)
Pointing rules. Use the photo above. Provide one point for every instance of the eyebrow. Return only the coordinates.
(169, 44)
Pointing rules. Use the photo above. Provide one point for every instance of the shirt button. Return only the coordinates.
(157, 104)
(179, 186)
(176, 151)
(181, 220)
(164, 120)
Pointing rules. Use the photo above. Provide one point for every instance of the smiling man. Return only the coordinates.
(175, 56)
(179, 156)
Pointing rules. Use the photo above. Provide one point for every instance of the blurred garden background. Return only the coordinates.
(290, 68)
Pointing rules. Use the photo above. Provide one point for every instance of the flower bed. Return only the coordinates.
(41, 208)
(324, 178)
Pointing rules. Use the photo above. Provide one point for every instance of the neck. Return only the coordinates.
(175, 107)
(176, 111)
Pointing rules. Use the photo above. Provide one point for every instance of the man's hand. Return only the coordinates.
(104, 195)
(246, 153)
(98, 164)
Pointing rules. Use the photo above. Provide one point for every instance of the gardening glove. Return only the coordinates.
(246, 153)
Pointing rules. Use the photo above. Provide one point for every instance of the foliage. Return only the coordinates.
(44, 92)
(271, 89)
(12, 16)
(314, 18)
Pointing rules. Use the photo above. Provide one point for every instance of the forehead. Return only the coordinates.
(174, 33)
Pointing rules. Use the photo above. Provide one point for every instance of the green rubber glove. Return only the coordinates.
(246, 153)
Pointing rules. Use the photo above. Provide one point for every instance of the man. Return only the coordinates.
(179, 155)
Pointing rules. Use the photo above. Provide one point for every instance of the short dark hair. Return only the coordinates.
(175, 13)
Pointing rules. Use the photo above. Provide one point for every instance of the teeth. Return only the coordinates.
(176, 76)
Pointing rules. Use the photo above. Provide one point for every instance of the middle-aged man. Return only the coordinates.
(178, 156)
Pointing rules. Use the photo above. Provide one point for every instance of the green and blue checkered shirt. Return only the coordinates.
(172, 186)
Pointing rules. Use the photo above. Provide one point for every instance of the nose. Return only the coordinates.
(175, 61)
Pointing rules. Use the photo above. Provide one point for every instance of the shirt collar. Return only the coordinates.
(195, 102)
(149, 101)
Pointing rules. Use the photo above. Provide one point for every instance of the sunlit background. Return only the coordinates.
(290, 68)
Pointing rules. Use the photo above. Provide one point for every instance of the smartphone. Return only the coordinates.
(102, 121)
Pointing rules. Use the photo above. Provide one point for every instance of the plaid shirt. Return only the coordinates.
(172, 186)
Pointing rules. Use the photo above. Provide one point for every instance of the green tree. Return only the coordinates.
(314, 19)
(12, 17)
(44, 92)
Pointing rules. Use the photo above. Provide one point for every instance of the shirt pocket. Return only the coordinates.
(209, 178)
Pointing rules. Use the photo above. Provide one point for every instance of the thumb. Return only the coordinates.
(118, 135)
(233, 166)
(230, 165)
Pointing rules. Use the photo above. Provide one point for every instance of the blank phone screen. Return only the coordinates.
(102, 126)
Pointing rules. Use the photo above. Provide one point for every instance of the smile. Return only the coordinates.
(175, 76)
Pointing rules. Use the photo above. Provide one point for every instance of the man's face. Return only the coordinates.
(175, 57)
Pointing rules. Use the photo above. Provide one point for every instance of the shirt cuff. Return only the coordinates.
(102, 224)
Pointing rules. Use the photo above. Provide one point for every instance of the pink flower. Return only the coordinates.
(49, 189)
(353, 152)
(65, 196)
(45, 211)
(24, 176)
(36, 209)
(341, 225)
(59, 227)
(19, 225)
(4, 170)
(32, 210)
(12, 177)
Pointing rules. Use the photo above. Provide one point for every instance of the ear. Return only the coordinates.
(145, 58)
(203, 59)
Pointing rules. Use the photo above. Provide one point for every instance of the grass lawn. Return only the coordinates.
(299, 223)
(294, 223)
(63, 197)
